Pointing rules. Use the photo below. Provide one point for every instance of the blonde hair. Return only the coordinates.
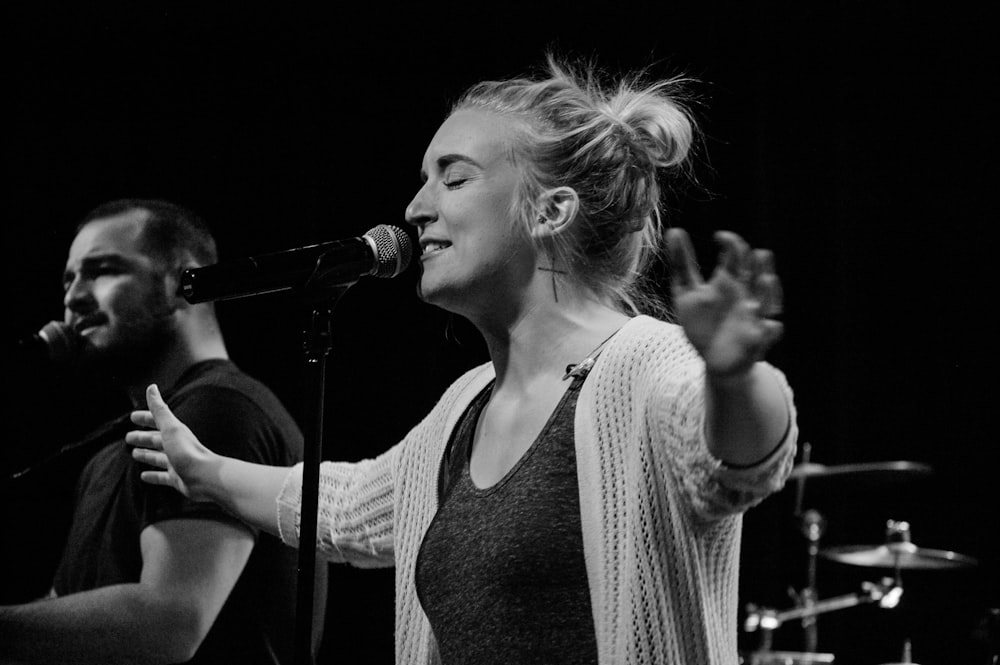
(612, 144)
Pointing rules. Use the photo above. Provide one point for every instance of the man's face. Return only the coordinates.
(117, 297)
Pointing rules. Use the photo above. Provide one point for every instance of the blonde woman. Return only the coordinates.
(577, 499)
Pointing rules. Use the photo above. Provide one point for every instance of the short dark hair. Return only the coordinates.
(170, 232)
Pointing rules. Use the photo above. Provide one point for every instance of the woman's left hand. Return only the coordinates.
(729, 318)
(178, 459)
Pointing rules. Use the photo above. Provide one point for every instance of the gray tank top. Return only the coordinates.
(500, 573)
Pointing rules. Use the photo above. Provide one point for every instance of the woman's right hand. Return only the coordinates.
(180, 460)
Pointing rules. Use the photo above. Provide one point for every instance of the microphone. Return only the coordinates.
(383, 251)
(55, 342)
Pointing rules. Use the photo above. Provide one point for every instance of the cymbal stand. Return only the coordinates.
(886, 593)
(800, 486)
(812, 524)
(897, 540)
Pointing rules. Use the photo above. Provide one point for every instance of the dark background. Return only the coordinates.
(854, 139)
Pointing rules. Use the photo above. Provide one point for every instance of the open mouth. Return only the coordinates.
(89, 322)
(428, 248)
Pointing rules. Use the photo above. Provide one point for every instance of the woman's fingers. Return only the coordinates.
(754, 270)
(156, 418)
(162, 414)
(151, 457)
(159, 419)
(773, 331)
(734, 255)
(142, 419)
(156, 478)
(768, 292)
(685, 271)
(145, 439)
(765, 285)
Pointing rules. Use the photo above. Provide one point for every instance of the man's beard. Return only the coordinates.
(135, 350)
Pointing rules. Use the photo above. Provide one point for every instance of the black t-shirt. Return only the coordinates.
(235, 416)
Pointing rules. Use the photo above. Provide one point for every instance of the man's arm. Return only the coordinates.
(245, 489)
(189, 568)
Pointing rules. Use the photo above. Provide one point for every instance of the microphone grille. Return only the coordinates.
(60, 339)
(392, 250)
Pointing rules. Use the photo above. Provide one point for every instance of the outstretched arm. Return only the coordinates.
(729, 320)
(189, 567)
(248, 491)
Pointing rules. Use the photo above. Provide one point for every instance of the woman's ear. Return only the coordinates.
(558, 208)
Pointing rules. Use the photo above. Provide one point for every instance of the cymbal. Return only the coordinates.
(880, 471)
(901, 555)
(784, 658)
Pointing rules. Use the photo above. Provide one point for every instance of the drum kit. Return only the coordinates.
(896, 554)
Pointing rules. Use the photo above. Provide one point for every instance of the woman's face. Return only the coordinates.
(474, 254)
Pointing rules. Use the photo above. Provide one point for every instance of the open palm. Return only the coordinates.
(169, 446)
(727, 318)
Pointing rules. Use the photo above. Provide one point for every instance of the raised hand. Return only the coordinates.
(171, 448)
(728, 318)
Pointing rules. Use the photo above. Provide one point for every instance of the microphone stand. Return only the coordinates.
(384, 252)
(317, 346)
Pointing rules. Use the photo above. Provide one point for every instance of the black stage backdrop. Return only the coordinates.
(852, 138)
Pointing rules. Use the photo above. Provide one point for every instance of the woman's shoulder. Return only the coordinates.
(645, 324)
(645, 351)
(473, 380)
(431, 433)
(646, 331)
(461, 391)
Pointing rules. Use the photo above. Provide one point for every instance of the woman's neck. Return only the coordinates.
(542, 340)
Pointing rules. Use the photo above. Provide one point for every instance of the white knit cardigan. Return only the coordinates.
(661, 517)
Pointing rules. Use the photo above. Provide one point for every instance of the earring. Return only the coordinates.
(551, 269)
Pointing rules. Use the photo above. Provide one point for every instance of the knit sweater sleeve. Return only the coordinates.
(355, 521)
(373, 512)
(677, 404)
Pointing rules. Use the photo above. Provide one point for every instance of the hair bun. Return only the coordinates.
(609, 143)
